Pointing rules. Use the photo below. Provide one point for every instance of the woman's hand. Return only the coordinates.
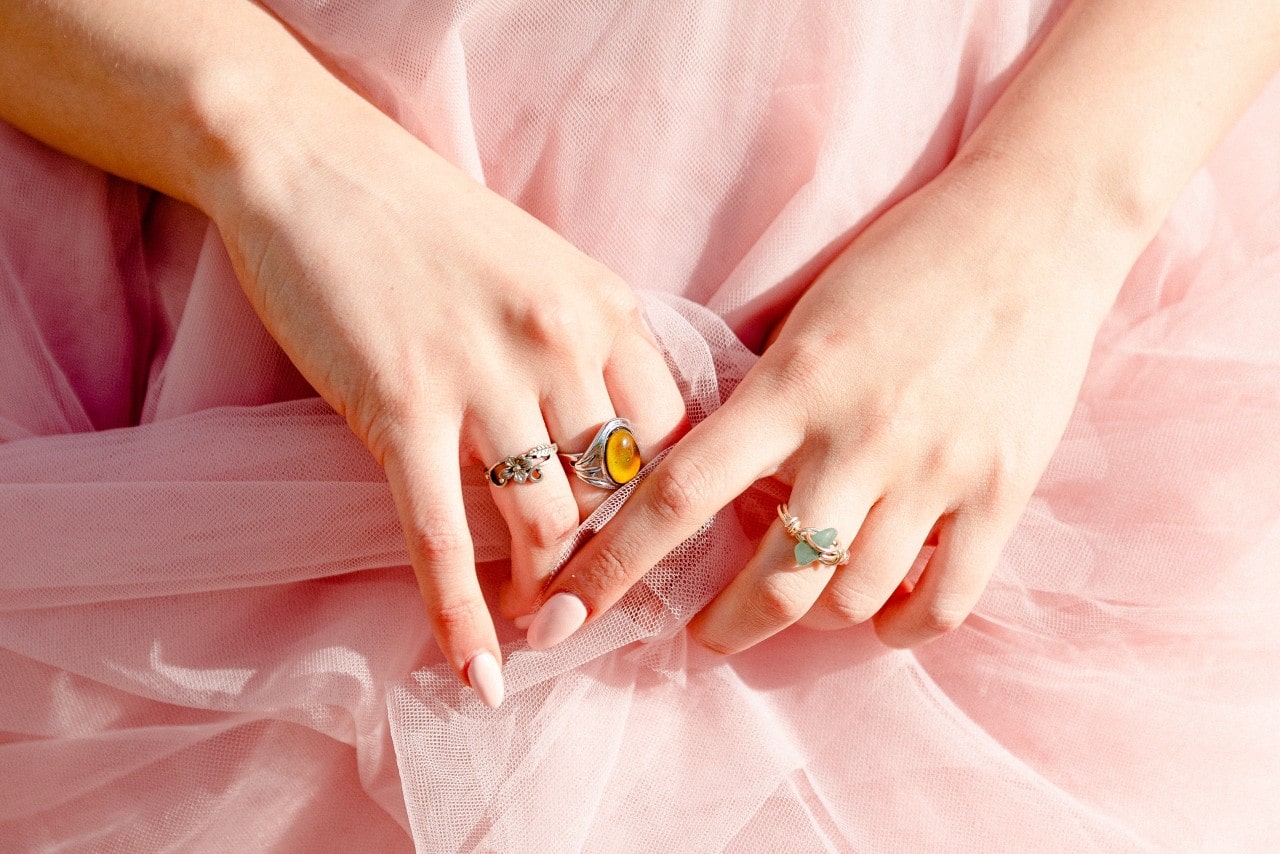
(926, 376)
(435, 315)
(921, 382)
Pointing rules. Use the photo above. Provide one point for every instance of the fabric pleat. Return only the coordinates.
(210, 639)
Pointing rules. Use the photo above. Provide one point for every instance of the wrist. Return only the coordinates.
(1036, 206)
(258, 143)
(225, 115)
(1098, 188)
(244, 146)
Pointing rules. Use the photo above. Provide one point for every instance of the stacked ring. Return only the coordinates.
(522, 468)
(611, 459)
(813, 544)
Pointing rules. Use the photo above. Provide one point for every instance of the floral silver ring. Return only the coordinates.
(522, 468)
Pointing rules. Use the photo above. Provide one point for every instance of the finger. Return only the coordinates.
(969, 546)
(576, 405)
(422, 469)
(641, 385)
(707, 469)
(540, 511)
(775, 589)
(879, 558)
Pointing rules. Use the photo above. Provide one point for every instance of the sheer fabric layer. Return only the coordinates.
(208, 634)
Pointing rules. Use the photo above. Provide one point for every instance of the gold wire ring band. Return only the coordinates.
(813, 544)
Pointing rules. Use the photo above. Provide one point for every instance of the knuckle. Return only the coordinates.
(883, 422)
(607, 286)
(376, 419)
(850, 605)
(554, 523)
(986, 472)
(713, 643)
(1004, 480)
(940, 618)
(609, 569)
(679, 487)
(620, 301)
(882, 405)
(773, 604)
(439, 543)
(387, 412)
(990, 476)
(562, 325)
(555, 328)
(943, 461)
(802, 366)
(454, 617)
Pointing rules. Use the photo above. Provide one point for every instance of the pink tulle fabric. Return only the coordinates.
(210, 640)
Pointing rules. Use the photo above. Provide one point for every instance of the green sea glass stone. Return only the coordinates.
(825, 538)
(805, 554)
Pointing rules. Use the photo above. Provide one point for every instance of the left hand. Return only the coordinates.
(920, 384)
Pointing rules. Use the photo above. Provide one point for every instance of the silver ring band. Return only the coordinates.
(522, 468)
(611, 459)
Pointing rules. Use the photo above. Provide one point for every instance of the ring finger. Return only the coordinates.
(879, 558)
(778, 586)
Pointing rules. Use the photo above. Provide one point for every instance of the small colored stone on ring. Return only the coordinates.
(621, 456)
(806, 554)
(825, 538)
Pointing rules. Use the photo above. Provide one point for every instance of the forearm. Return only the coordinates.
(176, 95)
(1123, 101)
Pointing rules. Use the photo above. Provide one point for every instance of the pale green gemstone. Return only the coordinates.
(825, 538)
(805, 555)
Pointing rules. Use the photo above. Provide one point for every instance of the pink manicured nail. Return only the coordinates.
(485, 677)
(561, 615)
(522, 622)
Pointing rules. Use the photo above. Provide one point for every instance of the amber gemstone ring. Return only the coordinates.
(611, 459)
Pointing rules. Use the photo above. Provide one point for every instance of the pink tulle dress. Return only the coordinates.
(210, 640)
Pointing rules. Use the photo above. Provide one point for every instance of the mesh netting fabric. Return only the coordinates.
(209, 639)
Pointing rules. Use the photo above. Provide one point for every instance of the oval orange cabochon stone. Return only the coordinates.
(621, 456)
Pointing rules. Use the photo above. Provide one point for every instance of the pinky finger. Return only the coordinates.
(969, 548)
(426, 482)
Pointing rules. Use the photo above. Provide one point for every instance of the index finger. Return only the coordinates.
(703, 472)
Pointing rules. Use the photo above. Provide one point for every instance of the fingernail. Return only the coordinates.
(561, 615)
(522, 622)
(485, 677)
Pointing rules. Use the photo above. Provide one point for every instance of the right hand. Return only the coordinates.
(434, 315)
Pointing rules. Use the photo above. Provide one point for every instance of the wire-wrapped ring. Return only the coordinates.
(813, 544)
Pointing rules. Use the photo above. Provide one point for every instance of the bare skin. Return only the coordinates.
(969, 309)
(971, 306)
(406, 312)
